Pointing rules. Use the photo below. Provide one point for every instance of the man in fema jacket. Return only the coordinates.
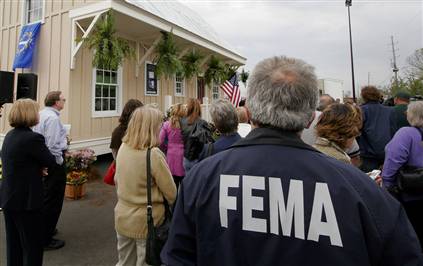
(271, 199)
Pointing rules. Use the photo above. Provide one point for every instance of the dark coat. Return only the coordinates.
(24, 154)
(376, 130)
(270, 199)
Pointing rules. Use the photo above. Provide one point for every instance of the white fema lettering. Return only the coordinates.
(279, 212)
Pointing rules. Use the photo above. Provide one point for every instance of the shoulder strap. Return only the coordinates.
(210, 149)
(168, 213)
(149, 205)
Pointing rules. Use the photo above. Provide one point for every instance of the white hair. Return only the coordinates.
(224, 116)
(282, 93)
(415, 114)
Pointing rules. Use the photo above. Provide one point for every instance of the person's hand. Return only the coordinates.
(68, 140)
(44, 171)
(378, 180)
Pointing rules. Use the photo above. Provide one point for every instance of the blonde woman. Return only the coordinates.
(131, 181)
(171, 141)
(24, 155)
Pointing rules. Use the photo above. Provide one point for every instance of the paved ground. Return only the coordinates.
(86, 225)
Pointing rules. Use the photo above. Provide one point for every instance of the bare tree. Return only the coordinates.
(415, 62)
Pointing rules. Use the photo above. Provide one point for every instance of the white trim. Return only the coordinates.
(75, 46)
(149, 51)
(145, 81)
(183, 86)
(89, 10)
(99, 145)
(184, 34)
(96, 114)
(24, 13)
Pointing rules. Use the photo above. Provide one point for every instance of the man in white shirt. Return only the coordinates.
(54, 133)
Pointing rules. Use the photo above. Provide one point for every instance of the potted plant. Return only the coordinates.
(191, 64)
(77, 166)
(244, 77)
(167, 61)
(215, 72)
(230, 70)
(109, 50)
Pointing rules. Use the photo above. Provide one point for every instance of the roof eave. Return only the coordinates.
(155, 21)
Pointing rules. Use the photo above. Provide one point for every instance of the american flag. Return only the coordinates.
(231, 89)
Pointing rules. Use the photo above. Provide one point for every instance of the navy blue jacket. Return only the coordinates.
(230, 207)
(376, 131)
(24, 154)
(221, 144)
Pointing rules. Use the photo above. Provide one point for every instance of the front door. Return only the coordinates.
(201, 83)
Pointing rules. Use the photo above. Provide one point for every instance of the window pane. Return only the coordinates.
(98, 104)
(99, 78)
(105, 91)
(97, 90)
(112, 91)
(114, 78)
(39, 14)
(105, 104)
(38, 4)
(106, 76)
(113, 104)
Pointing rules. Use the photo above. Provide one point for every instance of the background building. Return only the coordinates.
(95, 97)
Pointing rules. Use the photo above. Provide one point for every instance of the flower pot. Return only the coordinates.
(75, 191)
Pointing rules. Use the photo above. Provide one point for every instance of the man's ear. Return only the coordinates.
(248, 113)
(312, 119)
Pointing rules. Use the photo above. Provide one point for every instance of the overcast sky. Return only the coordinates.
(317, 32)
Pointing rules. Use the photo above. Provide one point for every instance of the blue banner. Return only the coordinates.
(26, 46)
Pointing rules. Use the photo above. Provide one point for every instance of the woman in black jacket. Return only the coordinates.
(24, 156)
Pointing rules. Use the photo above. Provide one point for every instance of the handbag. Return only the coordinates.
(410, 178)
(156, 236)
(110, 174)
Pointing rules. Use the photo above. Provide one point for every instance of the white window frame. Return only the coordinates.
(24, 12)
(119, 87)
(145, 81)
(182, 85)
(213, 93)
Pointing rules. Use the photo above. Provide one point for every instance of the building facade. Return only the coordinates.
(95, 97)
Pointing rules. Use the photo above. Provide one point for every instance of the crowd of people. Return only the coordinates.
(283, 179)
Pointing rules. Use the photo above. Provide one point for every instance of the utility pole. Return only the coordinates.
(394, 62)
(368, 78)
(348, 3)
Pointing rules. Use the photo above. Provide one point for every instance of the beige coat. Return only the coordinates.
(331, 149)
(131, 183)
